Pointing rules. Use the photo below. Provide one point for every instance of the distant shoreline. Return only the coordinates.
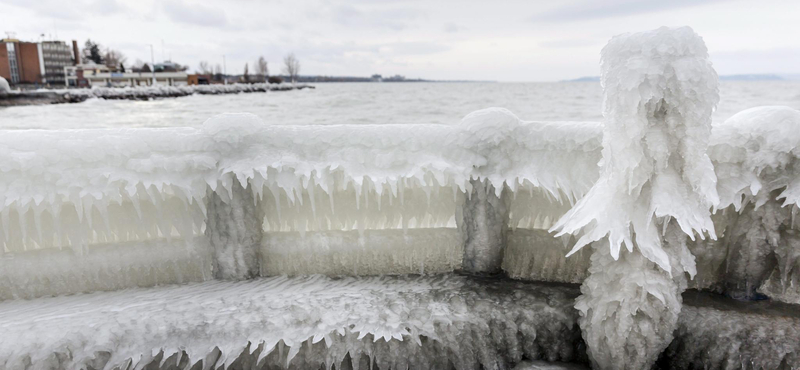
(736, 77)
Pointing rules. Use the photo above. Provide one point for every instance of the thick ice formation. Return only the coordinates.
(659, 93)
(310, 322)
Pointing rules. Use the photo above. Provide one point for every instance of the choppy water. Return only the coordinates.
(373, 103)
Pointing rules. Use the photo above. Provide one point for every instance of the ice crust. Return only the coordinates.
(717, 334)
(163, 91)
(142, 185)
(310, 322)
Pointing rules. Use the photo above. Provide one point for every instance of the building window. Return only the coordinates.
(12, 62)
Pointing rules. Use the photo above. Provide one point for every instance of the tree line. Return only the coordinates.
(291, 69)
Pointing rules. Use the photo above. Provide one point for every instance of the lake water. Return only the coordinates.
(375, 103)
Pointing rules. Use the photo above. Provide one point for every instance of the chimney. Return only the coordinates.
(76, 52)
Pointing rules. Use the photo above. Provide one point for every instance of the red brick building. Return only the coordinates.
(34, 63)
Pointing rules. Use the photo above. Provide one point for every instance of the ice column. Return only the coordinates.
(657, 186)
(484, 224)
(233, 228)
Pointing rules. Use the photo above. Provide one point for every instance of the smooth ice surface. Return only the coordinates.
(373, 252)
(104, 267)
(308, 322)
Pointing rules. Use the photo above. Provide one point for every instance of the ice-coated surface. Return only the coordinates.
(373, 252)
(51, 272)
(544, 365)
(536, 255)
(162, 91)
(715, 333)
(656, 186)
(309, 322)
(659, 92)
(756, 152)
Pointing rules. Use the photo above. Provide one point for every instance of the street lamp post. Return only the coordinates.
(153, 64)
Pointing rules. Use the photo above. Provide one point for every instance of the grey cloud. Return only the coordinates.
(195, 14)
(608, 9)
(75, 11)
(451, 27)
(570, 43)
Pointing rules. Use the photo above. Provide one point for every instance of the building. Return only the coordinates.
(90, 74)
(19, 62)
(34, 62)
(53, 57)
(199, 79)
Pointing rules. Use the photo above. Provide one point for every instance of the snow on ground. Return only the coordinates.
(424, 323)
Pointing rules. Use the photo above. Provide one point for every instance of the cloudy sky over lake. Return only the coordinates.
(475, 40)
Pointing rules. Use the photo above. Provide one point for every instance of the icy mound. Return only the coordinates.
(4, 88)
(306, 322)
(757, 151)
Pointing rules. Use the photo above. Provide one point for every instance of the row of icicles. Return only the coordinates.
(332, 201)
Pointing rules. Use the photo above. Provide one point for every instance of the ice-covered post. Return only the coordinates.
(233, 218)
(657, 186)
(484, 221)
(234, 231)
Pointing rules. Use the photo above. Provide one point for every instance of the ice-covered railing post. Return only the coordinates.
(485, 214)
(485, 220)
(233, 218)
(657, 185)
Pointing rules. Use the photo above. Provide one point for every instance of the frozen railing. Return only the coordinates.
(87, 210)
(174, 200)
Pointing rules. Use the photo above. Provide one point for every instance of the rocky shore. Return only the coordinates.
(42, 97)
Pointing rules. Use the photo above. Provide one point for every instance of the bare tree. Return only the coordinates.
(262, 71)
(114, 58)
(246, 73)
(291, 67)
(205, 68)
(218, 72)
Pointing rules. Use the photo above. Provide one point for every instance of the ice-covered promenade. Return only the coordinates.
(246, 245)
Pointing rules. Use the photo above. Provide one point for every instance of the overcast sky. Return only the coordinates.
(434, 39)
